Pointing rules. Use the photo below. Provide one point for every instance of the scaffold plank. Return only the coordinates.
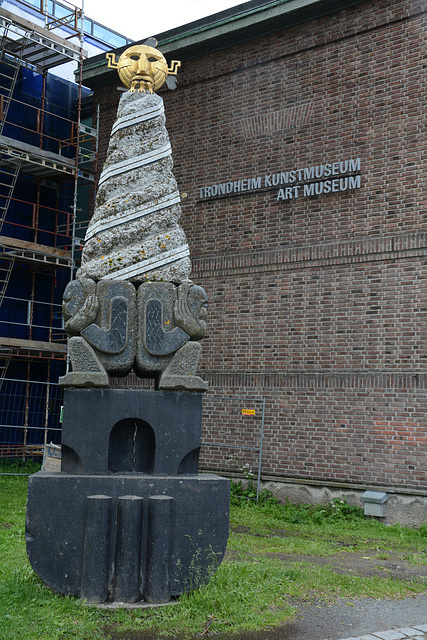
(33, 345)
(42, 48)
(31, 255)
(34, 246)
(35, 161)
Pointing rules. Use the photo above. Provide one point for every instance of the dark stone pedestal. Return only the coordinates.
(128, 518)
(126, 537)
(129, 430)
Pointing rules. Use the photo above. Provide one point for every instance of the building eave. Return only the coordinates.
(222, 30)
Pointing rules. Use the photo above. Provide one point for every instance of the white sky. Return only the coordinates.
(139, 19)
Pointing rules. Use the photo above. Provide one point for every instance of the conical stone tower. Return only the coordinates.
(135, 233)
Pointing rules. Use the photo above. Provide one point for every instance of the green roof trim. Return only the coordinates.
(225, 28)
(229, 19)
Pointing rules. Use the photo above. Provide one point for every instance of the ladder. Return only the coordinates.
(6, 268)
(11, 53)
(8, 178)
(4, 364)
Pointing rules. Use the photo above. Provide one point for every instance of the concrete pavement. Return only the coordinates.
(416, 632)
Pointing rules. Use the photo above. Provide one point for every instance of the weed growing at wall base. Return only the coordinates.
(241, 492)
(337, 509)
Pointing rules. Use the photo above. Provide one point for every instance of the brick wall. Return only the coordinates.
(317, 303)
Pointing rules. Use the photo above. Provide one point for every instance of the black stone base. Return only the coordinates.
(129, 430)
(126, 538)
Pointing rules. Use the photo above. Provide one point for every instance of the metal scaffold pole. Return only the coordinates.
(76, 175)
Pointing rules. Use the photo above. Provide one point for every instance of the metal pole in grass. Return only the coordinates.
(260, 450)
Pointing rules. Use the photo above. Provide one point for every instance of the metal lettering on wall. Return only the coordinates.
(331, 177)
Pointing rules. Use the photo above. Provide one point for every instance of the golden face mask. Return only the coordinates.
(142, 68)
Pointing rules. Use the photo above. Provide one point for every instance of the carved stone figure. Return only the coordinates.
(114, 328)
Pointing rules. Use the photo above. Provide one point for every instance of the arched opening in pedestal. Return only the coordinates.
(131, 448)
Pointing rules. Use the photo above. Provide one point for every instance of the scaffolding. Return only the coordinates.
(46, 154)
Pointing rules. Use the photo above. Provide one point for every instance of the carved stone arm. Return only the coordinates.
(84, 317)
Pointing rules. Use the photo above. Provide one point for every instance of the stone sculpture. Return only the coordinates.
(114, 328)
(128, 518)
(134, 239)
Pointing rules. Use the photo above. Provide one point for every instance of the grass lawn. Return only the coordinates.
(278, 556)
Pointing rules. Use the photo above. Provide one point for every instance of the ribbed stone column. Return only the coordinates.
(94, 585)
(128, 549)
(157, 587)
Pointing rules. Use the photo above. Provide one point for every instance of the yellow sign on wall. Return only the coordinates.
(248, 412)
